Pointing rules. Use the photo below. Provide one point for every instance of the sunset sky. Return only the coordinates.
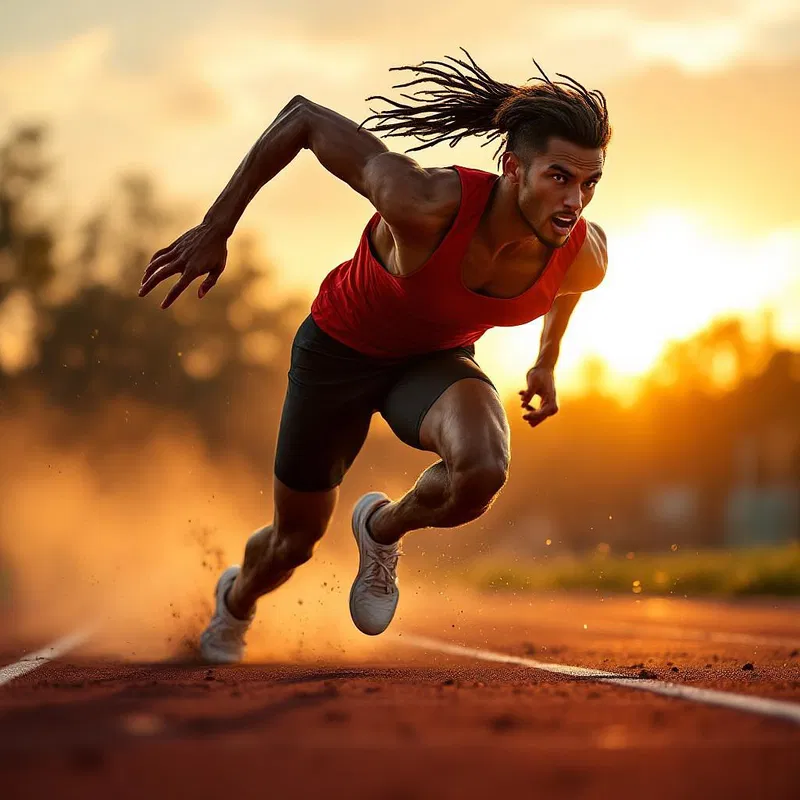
(698, 199)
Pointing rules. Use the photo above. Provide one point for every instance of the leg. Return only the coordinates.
(467, 427)
(325, 420)
(274, 552)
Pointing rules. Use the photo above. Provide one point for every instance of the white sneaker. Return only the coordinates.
(374, 596)
(222, 642)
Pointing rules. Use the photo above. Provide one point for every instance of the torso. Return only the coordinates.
(507, 275)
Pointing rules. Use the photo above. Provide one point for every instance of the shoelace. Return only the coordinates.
(382, 571)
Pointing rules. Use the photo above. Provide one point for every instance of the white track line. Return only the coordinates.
(782, 709)
(31, 661)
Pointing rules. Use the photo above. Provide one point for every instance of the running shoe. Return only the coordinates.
(222, 642)
(374, 596)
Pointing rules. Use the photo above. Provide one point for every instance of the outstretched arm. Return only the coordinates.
(396, 185)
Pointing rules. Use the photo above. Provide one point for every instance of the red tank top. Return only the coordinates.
(366, 307)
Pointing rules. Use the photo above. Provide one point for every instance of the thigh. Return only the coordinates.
(326, 415)
(423, 393)
(467, 425)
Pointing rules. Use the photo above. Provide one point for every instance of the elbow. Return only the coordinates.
(295, 117)
(297, 108)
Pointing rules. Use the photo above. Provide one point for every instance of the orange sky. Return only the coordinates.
(697, 199)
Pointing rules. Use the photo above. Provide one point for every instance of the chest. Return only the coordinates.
(504, 277)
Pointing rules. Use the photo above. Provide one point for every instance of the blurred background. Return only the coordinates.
(136, 445)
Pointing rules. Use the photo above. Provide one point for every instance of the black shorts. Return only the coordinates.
(334, 391)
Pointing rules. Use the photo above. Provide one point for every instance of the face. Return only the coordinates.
(554, 187)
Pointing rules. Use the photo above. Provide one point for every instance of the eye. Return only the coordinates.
(559, 178)
(591, 184)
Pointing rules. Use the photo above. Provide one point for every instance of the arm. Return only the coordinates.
(353, 155)
(585, 273)
(399, 189)
(540, 379)
(555, 325)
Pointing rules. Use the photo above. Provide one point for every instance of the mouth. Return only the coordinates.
(563, 223)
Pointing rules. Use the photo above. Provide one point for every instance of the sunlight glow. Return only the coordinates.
(667, 279)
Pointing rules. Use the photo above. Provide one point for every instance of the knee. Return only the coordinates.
(475, 485)
(289, 545)
(296, 545)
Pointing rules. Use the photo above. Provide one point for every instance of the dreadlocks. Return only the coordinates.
(460, 99)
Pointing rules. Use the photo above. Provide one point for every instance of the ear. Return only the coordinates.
(513, 168)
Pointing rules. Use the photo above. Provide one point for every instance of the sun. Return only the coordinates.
(668, 278)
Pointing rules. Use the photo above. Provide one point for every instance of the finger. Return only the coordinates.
(548, 408)
(534, 419)
(539, 415)
(156, 262)
(163, 251)
(209, 283)
(177, 290)
(167, 271)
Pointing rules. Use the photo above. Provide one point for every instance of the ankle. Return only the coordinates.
(379, 527)
(236, 608)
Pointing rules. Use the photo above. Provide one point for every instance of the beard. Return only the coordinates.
(535, 231)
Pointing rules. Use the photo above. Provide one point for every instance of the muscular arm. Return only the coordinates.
(407, 197)
(395, 185)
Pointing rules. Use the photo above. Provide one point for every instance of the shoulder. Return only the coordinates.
(589, 267)
(409, 196)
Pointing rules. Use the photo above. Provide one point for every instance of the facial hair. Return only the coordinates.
(536, 233)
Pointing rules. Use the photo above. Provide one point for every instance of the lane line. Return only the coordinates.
(41, 657)
(782, 709)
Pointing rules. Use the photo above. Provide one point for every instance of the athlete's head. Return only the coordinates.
(553, 134)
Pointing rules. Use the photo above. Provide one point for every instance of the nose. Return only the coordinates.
(573, 200)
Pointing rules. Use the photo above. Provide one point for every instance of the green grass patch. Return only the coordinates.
(724, 573)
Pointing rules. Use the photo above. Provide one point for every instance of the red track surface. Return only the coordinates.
(401, 722)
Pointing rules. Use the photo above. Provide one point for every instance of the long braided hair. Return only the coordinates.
(455, 98)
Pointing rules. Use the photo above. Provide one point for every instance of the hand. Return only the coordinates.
(200, 251)
(541, 382)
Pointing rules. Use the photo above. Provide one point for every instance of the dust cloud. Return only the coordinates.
(126, 525)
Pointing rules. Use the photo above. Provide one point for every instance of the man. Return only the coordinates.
(448, 254)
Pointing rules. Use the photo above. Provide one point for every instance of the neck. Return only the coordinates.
(504, 229)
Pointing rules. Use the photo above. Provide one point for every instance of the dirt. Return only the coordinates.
(400, 722)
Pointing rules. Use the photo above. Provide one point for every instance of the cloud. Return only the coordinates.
(191, 110)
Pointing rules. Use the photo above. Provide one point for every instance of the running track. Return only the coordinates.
(549, 698)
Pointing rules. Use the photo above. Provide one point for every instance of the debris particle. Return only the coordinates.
(647, 675)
